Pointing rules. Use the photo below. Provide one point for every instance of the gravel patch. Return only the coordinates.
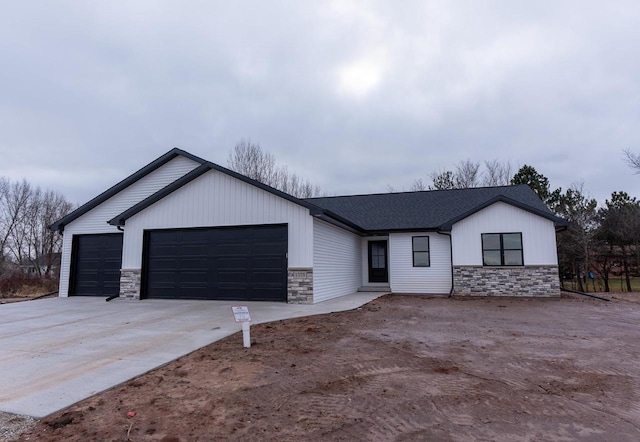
(13, 425)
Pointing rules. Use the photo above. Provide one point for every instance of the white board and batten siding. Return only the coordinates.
(405, 278)
(337, 262)
(216, 199)
(538, 234)
(95, 221)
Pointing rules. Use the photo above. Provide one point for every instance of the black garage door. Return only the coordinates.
(96, 264)
(238, 263)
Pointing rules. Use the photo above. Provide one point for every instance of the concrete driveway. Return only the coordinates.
(55, 352)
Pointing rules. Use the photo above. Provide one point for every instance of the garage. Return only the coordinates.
(246, 263)
(96, 262)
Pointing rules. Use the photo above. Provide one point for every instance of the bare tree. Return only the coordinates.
(25, 215)
(633, 160)
(43, 244)
(418, 185)
(496, 173)
(13, 211)
(467, 174)
(251, 161)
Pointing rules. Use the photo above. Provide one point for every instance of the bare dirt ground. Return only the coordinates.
(403, 368)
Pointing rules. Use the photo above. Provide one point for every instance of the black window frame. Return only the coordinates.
(414, 251)
(502, 250)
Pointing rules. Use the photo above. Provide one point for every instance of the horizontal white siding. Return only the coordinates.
(216, 199)
(538, 234)
(405, 278)
(337, 262)
(95, 221)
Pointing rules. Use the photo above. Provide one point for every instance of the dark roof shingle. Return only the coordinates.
(428, 209)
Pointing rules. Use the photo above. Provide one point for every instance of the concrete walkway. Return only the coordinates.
(55, 352)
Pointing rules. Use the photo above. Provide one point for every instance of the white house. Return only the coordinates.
(184, 228)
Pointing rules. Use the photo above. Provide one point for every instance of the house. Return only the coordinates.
(40, 265)
(185, 228)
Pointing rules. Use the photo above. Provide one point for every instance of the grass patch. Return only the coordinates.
(616, 284)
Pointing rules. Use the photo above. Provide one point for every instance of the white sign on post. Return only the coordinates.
(241, 314)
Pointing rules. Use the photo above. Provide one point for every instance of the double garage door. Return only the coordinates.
(236, 263)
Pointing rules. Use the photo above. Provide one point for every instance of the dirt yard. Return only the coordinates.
(403, 368)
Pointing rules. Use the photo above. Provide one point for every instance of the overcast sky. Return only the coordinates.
(355, 96)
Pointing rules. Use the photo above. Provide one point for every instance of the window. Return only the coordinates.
(420, 251)
(502, 249)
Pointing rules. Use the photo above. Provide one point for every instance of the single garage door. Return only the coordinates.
(237, 263)
(96, 260)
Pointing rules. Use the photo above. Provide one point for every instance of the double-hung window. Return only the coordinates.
(502, 249)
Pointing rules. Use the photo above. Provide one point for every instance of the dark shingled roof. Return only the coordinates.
(429, 210)
(432, 210)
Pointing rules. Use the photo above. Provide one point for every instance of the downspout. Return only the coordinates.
(451, 256)
(118, 295)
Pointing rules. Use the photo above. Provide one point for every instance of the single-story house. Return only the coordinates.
(185, 228)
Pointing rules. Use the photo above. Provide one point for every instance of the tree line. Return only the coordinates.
(26, 211)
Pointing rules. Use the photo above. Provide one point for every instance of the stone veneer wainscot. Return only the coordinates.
(538, 281)
(300, 285)
(130, 283)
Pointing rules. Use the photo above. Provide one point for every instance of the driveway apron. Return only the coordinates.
(55, 352)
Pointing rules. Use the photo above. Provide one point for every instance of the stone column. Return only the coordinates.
(130, 283)
(300, 285)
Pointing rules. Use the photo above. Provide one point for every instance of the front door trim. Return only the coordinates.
(378, 263)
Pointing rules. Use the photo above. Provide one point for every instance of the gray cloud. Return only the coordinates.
(353, 95)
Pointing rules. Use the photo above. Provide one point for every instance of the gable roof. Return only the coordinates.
(146, 170)
(429, 210)
(120, 219)
(373, 213)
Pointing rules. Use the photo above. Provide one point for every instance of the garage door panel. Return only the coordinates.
(196, 263)
(194, 250)
(233, 262)
(239, 263)
(165, 263)
(267, 262)
(231, 277)
(265, 278)
(193, 279)
(233, 249)
(97, 260)
(164, 278)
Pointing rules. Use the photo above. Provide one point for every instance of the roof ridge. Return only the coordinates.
(506, 186)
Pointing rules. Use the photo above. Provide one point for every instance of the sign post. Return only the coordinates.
(241, 314)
